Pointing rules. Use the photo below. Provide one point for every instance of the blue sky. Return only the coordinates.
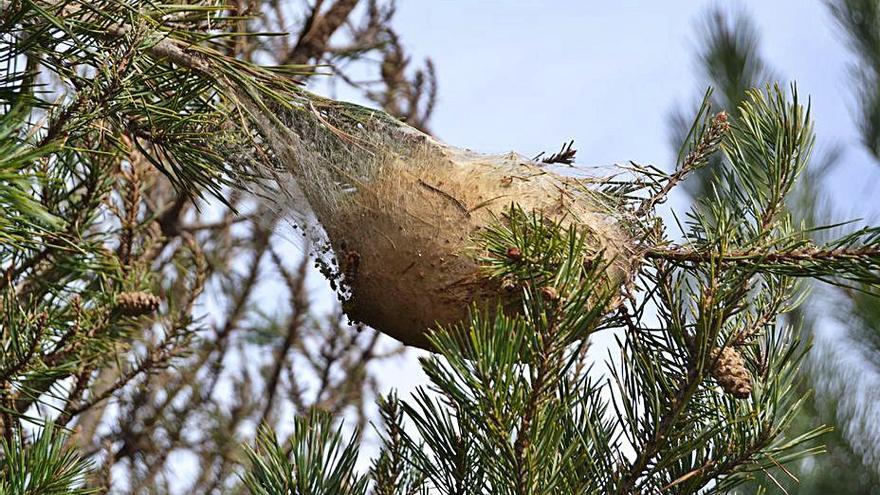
(516, 74)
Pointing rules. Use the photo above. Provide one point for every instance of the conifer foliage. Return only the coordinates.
(704, 384)
(695, 396)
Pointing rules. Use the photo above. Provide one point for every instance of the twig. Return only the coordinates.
(565, 155)
(154, 358)
(317, 31)
(299, 303)
(462, 206)
(679, 254)
(695, 159)
(541, 379)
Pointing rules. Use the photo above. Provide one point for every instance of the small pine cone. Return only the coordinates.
(137, 303)
(549, 293)
(730, 371)
(514, 253)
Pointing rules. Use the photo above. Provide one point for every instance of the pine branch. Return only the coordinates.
(45, 466)
(542, 375)
(565, 155)
(678, 254)
(730, 61)
(125, 76)
(730, 57)
(187, 117)
(854, 263)
(320, 461)
(630, 476)
(512, 413)
(317, 31)
(706, 144)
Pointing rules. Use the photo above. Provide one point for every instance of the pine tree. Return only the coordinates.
(702, 391)
(159, 385)
(810, 204)
(697, 398)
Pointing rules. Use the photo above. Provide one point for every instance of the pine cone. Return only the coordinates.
(730, 371)
(549, 293)
(137, 303)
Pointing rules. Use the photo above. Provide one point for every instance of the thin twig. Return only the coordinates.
(695, 159)
(565, 155)
(448, 196)
(678, 254)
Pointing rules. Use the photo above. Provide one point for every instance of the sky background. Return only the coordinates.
(528, 76)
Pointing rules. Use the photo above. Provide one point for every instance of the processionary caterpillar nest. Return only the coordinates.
(402, 210)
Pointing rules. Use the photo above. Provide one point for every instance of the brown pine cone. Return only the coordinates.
(730, 371)
(137, 303)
